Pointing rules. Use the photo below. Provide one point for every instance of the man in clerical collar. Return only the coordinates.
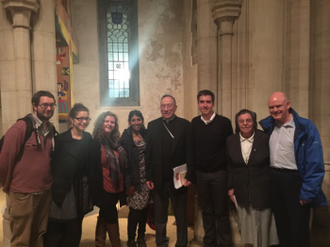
(167, 148)
(296, 159)
(26, 176)
(209, 134)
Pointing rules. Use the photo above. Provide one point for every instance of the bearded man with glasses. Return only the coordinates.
(26, 177)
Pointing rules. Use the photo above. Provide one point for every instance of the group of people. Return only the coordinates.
(273, 176)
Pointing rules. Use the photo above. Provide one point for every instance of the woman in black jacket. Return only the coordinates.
(70, 192)
(133, 140)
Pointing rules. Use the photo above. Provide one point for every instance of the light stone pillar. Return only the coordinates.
(206, 48)
(44, 51)
(224, 14)
(16, 83)
(16, 87)
(298, 54)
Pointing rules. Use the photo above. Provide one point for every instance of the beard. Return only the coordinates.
(44, 118)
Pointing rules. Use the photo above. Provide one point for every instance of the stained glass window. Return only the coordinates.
(119, 77)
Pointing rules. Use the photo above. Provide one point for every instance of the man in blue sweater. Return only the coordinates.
(209, 134)
(296, 159)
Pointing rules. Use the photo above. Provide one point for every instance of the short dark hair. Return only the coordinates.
(246, 111)
(168, 95)
(77, 108)
(205, 92)
(36, 97)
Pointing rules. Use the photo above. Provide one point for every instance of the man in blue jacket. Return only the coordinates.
(296, 159)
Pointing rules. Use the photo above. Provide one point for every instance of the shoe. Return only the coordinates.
(131, 243)
(141, 242)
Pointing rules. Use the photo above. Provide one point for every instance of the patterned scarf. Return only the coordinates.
(116, 164)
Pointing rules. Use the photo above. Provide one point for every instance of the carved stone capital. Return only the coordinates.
(224, 13)
(21, 11)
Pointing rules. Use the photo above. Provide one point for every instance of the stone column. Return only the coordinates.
(43, 50)
(224, 13)
(298, 54)
(206, 48)
(16, 83)
(16, 87)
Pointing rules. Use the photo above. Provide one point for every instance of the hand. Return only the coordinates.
(150, 185)
(303, 202)
(130, 191)
(231, 195)
(186, 183)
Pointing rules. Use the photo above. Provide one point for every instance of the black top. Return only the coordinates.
(132, 171)
(209, 143)
(178, 155)
(250, 181)
(167, 142)
(69, 161)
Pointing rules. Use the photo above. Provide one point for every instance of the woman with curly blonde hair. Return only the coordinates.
(108, 161)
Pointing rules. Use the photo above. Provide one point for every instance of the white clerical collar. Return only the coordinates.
(208, 121)
(250, 139)
(167, 121)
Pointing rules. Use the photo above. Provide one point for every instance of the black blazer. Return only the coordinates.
(250, 181)
(178, 156)
(95, 173)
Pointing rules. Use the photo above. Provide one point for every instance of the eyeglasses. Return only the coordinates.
(45, 106)
(82, 119)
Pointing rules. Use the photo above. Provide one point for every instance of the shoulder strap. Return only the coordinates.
(28, 133)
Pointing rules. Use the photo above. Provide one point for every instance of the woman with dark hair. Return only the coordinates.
(70, 192)
(108, 161)
(248, 181)
(133, 140)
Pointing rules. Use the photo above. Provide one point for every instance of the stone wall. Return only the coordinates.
(160, 46)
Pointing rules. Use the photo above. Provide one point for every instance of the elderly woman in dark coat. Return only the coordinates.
(133, 140)
(248, 181)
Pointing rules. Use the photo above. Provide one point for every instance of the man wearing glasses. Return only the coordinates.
(27, 178)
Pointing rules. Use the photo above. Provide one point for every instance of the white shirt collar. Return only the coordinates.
(40, 124)
(208, 121)
(250, 139)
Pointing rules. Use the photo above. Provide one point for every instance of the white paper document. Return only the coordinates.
(179, 174)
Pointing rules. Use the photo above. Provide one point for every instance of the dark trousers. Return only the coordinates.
(179, 204)
(66, 234)
(213, 198)
(137, 217)
(292, 219)
(108, 208)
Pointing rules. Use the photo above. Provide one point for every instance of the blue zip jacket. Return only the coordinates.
(309, 157)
